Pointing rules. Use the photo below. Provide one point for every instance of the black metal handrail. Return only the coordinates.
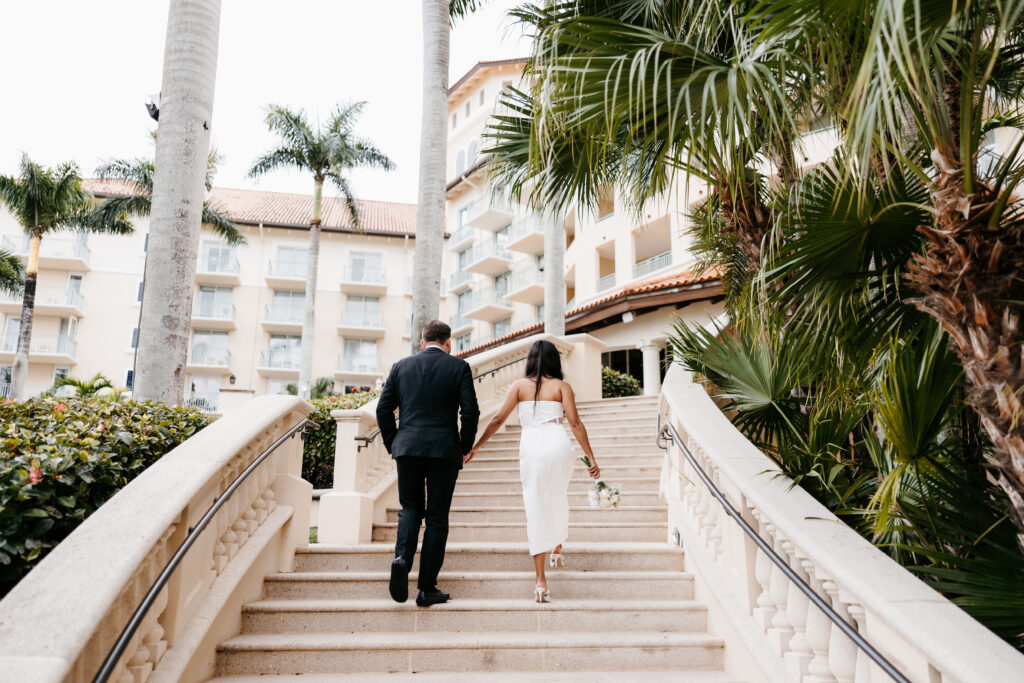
(367, 440)
(818, 602)
(117, 651)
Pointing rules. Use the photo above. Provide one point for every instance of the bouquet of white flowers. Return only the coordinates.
(603, 495)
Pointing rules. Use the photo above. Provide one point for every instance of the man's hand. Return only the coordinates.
(469, 456)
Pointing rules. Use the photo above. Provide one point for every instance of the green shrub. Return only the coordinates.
(318, 451)
(60, 459)
(615, 384)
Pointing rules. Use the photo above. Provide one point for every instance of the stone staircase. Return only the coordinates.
(623, 605)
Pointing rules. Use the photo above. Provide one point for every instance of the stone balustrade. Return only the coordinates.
(61, 620)
(365, 481)
(773, 632)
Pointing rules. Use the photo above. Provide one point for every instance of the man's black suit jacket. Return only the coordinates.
(430, 390)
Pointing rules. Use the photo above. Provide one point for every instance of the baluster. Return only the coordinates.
(155, 643)
(842, 652)
(780, 632)
(819, 629)
(799, 655)
(717, 515)
(862, 670)
(762, 571)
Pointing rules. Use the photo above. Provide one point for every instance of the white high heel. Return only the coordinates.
(541, 594)
(556, 561)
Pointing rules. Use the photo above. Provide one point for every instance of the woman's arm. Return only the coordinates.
(578, 430)
(511, 400)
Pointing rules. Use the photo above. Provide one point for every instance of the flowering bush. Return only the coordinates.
(318, 452)
(615, 384)
(60, 459)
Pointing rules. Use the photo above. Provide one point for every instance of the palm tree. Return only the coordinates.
(12, 277)
(329, 153)
(182, 149)
(84, 387)
(45, 201)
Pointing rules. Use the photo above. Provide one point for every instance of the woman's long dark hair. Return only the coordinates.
(543, 361)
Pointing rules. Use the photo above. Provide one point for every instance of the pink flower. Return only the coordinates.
(60, 408)
(35, 475)
(8, 401)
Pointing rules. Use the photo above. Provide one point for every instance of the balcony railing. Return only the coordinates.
(524, 278)
(210, 263)
(486, 297)
(365, 274)
(463, 234)
(358, 364)
(513, 329)
(354, 317)
(652, 264)
(210, 355)
(207, 404)
(5, 390)
(63, 346)
(485, 204)
(294, 269)
(283, 314)
(488, 250)
(606, 282)
(52, 247)
(460, 277)
(459, 321)
(283, 359)
(47, 297)
(218, 310)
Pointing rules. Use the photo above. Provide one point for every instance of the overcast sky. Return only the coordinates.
(78, 75)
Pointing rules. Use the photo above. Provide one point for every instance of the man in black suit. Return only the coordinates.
(430, 390)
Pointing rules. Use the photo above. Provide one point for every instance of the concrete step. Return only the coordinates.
(577, 484)
(477, 557)
(607, 532)
(609, 473)
(622, 400)
(444, 652)
(464, 498)
(510, 449)
(517, 515)
(477, 616)
(565, 584)
(502, 677)
(486, 460)
(603, 424)
(617, 439)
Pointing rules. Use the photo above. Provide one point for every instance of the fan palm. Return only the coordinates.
(84, 387)
(45, 201)
(330, 153)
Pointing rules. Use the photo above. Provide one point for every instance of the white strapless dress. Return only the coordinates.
(545, 466)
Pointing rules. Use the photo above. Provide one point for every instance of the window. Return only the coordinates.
(463, 301)
(288, 306)
(463, 216)
(501, 283)
(139, 299)
(364, 267)
(285, 351)
(204, 392)
(210, 347)
(216, 257)
(464, 342)
(214, 302)
(502, 327)
(465, 256)
(360, 356)
(129, 378)
(471, 153)
(502, 237)
(460, 162)
(468, 108)
(135, 338)
(455, 120)
(11, 333)
(278, 386)
(60, 372)
(291, 261)
(145, 243)
(483, 96)
(540, 312)
(605, 202)
(363, 310)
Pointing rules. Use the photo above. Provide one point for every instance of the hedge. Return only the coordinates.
(61, 458)
(615, 384)
(318, 452)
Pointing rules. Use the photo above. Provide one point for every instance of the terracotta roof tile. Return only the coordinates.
(252, 207)
(483, 65)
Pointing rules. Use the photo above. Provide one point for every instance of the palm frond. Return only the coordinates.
(221, 224)
(12, 272)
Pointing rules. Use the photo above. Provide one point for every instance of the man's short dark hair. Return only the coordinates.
(437, 332)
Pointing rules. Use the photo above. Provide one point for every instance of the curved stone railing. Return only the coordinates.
(365, 481)
(772, 630)
(60, 621)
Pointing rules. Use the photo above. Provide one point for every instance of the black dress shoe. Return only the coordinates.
(431, 597)
(399, 584)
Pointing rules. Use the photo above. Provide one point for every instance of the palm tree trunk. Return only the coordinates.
(182, 150)
(554, 277)
(433, 150)
(308, 322)
(19, 371)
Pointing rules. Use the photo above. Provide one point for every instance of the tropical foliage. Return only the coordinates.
(12, 277)
(60, 459)
(323, 387)
(319, 443)
(615, 384)
(876, 346)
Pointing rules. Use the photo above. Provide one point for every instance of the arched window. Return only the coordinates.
(471, 153)
(460, 163)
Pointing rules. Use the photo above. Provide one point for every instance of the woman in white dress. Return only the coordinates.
(546, 457)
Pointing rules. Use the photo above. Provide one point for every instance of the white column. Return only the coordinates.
(652, 369)
(554, 275)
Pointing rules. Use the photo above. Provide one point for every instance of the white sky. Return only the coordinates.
(79, 74)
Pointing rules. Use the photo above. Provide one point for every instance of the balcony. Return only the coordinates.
(461, 238)
(648, 266)
(59, 253)
(460, 281)
(282, 362)
(358, 367)
(526, 287)
(516, 328)
(489, 259)
(460, 324)
(283, 319)
(217, 270)
(359, 323)
(606, 282)
(287, 275)
(488, 305)
(56, 302)
(526, 236)
(489, 213)
(213, 315)
(205, 403)
(43, 349)
(364, 280)
(205, 357)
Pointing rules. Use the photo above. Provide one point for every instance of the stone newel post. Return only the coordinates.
(652, 368)
(346, 513)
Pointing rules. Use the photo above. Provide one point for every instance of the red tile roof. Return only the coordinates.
(483, 65)
(280, 209)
